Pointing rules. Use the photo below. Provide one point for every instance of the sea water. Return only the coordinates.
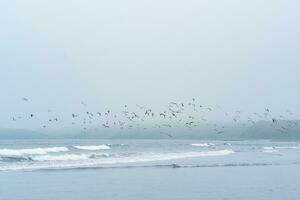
(149, 169)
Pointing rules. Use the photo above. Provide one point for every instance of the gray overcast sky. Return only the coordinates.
(236, 54)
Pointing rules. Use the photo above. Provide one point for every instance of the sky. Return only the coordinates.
(235, 54)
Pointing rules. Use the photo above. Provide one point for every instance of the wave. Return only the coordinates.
(280, 147)
(268, 148)
(90, 161)
(65, 157)
(15, 158)
(93, 148)
(117, 145)
(68, 167)
(203, 144)
(33, 151)
(288, 147)
(116, 158)
(270, 151)
(69, 157)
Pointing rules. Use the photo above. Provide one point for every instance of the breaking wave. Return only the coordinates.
(276, 148)
(68, 157)
(93, 148)
(288, 147)
(203, 144)
(269, 150)
(99, 160)
(33, 151)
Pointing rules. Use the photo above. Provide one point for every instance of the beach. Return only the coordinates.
(254, 182)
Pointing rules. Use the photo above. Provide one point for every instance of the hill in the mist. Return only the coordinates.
(8, 133)
(283, 129)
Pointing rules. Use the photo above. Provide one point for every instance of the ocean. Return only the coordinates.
(148, 169)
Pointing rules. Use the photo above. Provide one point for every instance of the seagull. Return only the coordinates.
(164, 133)
(166, 125)
(189, 123)
(147, 113)
(106, 126)
(250, 120)
(163, 114)
(174, 107)
(121, 123)
(134, 115)
(209, 109)
(218, 132)
(282, 127)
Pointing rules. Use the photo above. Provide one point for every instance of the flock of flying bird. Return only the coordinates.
(190, 115)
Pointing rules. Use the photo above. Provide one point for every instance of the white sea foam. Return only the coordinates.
(145, 157)
(65, 157)
(289, 147)
(274, 149)
(203, 144)
(68, 157)
(268, 148)
(270, 151)
(93, 148)
(33, 151)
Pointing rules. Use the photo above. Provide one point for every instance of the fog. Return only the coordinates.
(232, 54)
